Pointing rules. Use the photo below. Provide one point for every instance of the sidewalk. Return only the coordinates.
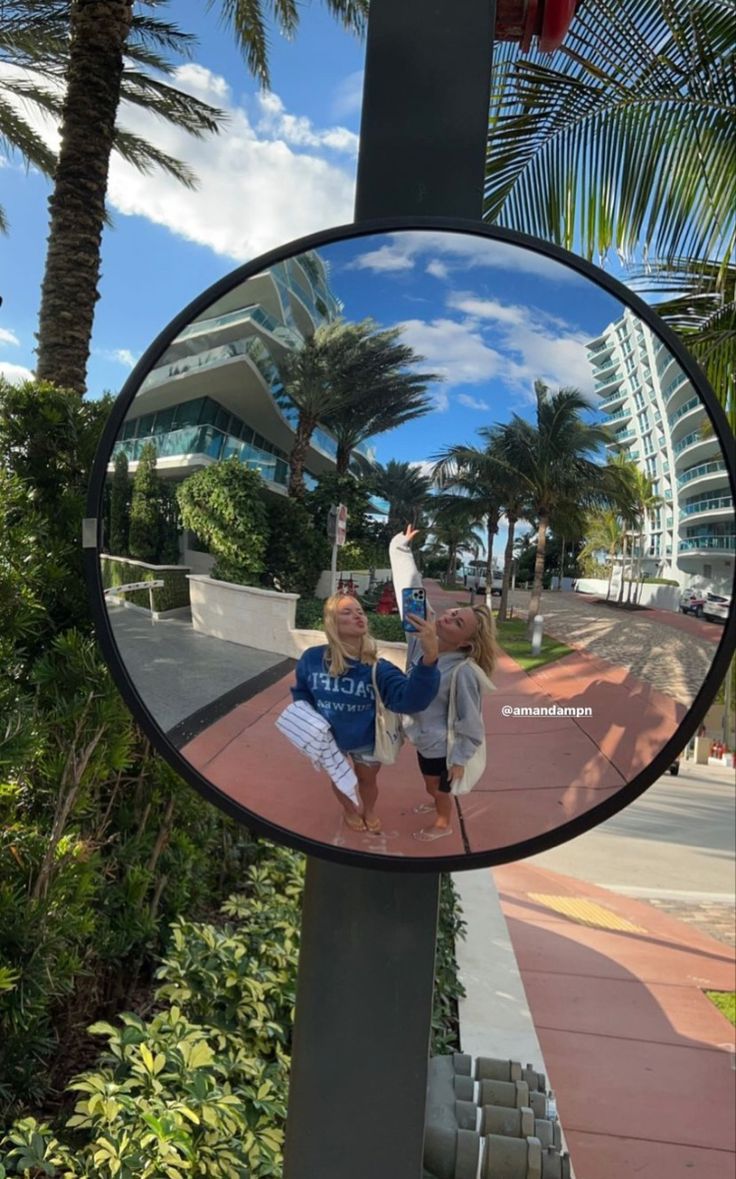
(641, 1062)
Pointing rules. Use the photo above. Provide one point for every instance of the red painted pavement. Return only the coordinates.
(541, 770)
(641, 1061)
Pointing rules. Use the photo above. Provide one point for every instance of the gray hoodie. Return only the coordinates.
(428, 730)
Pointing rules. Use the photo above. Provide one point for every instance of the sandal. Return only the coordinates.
(373, 825)
(429, 834)
(354, 822)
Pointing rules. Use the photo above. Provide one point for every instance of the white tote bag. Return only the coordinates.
(475, 767)
(389, 733)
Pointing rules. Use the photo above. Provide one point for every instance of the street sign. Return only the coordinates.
(337, 524)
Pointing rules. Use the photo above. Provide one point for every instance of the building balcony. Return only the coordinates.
(699, 545)
(193, 446)
(622, 439)
(710, 507)
(704, 476)
(695, 445)
(608, 382)
(674, 385)
(685, 413)
(621, 416)
(613, 399)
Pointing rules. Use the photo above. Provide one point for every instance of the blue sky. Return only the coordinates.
(286, 168)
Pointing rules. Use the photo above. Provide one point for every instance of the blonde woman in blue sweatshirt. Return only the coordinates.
(466, 636)
(336, 679)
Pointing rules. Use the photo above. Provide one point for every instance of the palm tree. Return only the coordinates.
(454, 527)
(308, 377)
(553, 460)
(380, 394)
(99, 37)
(622, 140)
(604, 530)
(475, 479)
(404, 488)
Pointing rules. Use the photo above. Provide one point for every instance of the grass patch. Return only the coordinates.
(512, 638)
(725, 1001)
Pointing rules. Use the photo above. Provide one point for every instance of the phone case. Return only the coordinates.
(413, 601)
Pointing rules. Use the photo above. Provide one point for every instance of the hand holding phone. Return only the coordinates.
(413, 601)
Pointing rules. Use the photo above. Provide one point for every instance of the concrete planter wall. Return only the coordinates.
(662, 597)
(259, 618)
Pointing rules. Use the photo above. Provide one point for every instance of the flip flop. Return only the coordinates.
(373, 825)
(354, 822)
(429, 834)
(424, 808)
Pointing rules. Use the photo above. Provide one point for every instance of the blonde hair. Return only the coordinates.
(483, 648)
(336, 656)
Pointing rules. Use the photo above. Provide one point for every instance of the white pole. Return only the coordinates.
(333, 569)
(537, 632)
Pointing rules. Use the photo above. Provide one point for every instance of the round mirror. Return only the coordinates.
(378, 422)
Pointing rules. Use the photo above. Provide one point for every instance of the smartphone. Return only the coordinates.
(413, 601)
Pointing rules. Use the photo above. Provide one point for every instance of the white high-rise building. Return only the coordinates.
(662, 426)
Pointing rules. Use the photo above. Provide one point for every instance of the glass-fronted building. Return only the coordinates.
(660, 423)
(217, 390)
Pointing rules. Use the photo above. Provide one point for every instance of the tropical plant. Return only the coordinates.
(120, 497)
(405, 489)
(450, 537)
(553, 458)
(99, 36)
(474, 477)
(604, 532)
(623, 140)
(380, 393)
(144, 534)
(296, 552)
(224, 504)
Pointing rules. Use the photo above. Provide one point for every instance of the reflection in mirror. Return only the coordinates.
(555, 462)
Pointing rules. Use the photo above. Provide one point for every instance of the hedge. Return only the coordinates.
(174, 593)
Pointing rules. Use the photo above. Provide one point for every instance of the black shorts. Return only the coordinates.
(435, 767)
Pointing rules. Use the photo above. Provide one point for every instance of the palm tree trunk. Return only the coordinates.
(490, 533)
(562, 565)
(99, 31)
(508, 560)
(536, 597)
(342, 459)
(612, 557)
(304, 430)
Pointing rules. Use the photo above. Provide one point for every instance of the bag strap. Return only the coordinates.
(380, 707)
(452, 707)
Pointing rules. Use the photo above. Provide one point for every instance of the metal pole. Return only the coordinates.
(364, 996)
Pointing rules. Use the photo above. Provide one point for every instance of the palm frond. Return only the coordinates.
(145, 157)
(623, 138)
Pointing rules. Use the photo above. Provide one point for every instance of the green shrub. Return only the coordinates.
(144, 536)
(172, 594)
(224, 504)
(296, 553)
(120, 497)
(660, 581)
(382, 626)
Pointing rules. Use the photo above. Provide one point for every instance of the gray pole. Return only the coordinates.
(366, 968)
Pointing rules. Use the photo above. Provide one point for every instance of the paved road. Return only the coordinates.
(673, 847)
(673, 660)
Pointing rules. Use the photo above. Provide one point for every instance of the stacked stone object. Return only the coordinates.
(490, 1119)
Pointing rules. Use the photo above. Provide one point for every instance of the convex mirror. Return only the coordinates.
(531, 419)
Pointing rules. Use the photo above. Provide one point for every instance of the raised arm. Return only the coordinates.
(404, 571)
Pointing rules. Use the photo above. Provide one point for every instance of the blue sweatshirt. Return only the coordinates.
(347, 701)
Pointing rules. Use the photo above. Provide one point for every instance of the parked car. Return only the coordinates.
(716, 607)
(691, 602)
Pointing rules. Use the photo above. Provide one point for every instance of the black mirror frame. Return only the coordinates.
(92, 540)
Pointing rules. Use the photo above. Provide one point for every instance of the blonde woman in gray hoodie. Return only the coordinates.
(466, 636)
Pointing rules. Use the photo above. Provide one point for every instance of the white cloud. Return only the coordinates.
(257, 189)
(122, 356)
(459, 251)
(16, 374)
(277, 123)
(534, 343)
(8, 337)
(457, 351)
(382, 259)
(472, 402)
(348, 98)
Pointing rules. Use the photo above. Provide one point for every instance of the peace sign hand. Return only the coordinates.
(410, 533)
